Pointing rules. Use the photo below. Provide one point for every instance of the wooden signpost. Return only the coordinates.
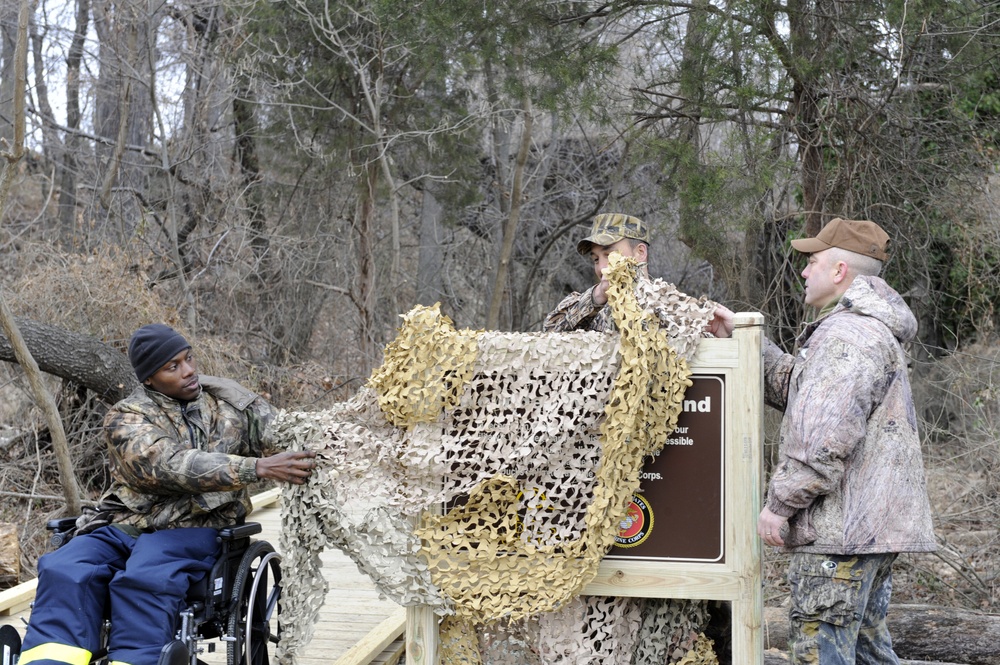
(703, 495)
(691, 529)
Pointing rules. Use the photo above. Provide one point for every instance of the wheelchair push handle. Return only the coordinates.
(62, 530)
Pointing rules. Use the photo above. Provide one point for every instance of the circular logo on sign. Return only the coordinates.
(635, 528)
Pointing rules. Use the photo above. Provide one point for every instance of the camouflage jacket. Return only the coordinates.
(850, 475)
(577, 311)
(177, 464)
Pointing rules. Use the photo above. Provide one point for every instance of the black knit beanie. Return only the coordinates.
(152, 346)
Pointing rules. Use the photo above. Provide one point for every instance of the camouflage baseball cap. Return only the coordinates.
(609, 228)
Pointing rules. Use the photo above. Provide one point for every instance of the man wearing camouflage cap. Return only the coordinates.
(680, 623)
(611, 232)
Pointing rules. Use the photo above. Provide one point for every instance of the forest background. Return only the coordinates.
(281, 179)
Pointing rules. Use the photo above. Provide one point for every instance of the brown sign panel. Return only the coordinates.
(678, 513)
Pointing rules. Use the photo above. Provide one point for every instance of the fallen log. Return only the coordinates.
(10, 556)
(774, 657)
(920, 633)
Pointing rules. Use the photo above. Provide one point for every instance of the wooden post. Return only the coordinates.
(422, 637)
(748, 407)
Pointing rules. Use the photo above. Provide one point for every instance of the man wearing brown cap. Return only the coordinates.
(678, 625)
(848, 493)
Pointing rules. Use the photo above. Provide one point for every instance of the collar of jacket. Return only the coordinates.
(810, 326)
(229, 391)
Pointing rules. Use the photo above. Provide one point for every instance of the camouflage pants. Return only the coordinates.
(838, 610)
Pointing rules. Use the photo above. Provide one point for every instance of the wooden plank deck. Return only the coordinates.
(353, 622)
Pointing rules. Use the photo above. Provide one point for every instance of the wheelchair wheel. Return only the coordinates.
(253, 621)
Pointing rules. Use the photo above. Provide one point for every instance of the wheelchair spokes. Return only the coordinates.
(237, 603)
(253, 621)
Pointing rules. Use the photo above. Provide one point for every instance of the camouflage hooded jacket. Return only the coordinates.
(177, 464)
(850, 476)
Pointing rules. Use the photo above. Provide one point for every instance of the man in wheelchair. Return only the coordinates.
(183, 451)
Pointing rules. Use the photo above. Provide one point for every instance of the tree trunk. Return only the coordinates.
(384, 162)
(692, 82)
(920, 633)
(430, 260)
(245, 128)
(810, 34)
(807, 130)
(74, 357)
(177, 232)
(8, 39)
(707, 237)
(122, 112)
(50, 138)
(364, 292)
(66, 174)
(500, 284)
(500, 148)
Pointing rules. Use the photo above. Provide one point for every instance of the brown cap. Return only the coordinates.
(609, 228)
(859, 236)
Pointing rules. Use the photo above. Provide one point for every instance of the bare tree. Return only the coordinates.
(500, 282)
(71, 491)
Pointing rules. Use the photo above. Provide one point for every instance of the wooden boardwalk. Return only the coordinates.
(354, 626)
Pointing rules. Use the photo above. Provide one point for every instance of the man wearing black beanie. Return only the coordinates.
(183, 450)
(152, 346)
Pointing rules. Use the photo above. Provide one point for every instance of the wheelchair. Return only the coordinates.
(237, 603)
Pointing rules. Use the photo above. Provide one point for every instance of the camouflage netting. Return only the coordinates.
(495, 468)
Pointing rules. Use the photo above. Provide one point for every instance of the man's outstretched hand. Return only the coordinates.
(287, 467)
(721, 324)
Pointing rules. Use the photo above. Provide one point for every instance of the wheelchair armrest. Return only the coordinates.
(239, 531)
(61, 525)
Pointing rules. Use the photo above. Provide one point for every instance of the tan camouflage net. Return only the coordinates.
(494, 469)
